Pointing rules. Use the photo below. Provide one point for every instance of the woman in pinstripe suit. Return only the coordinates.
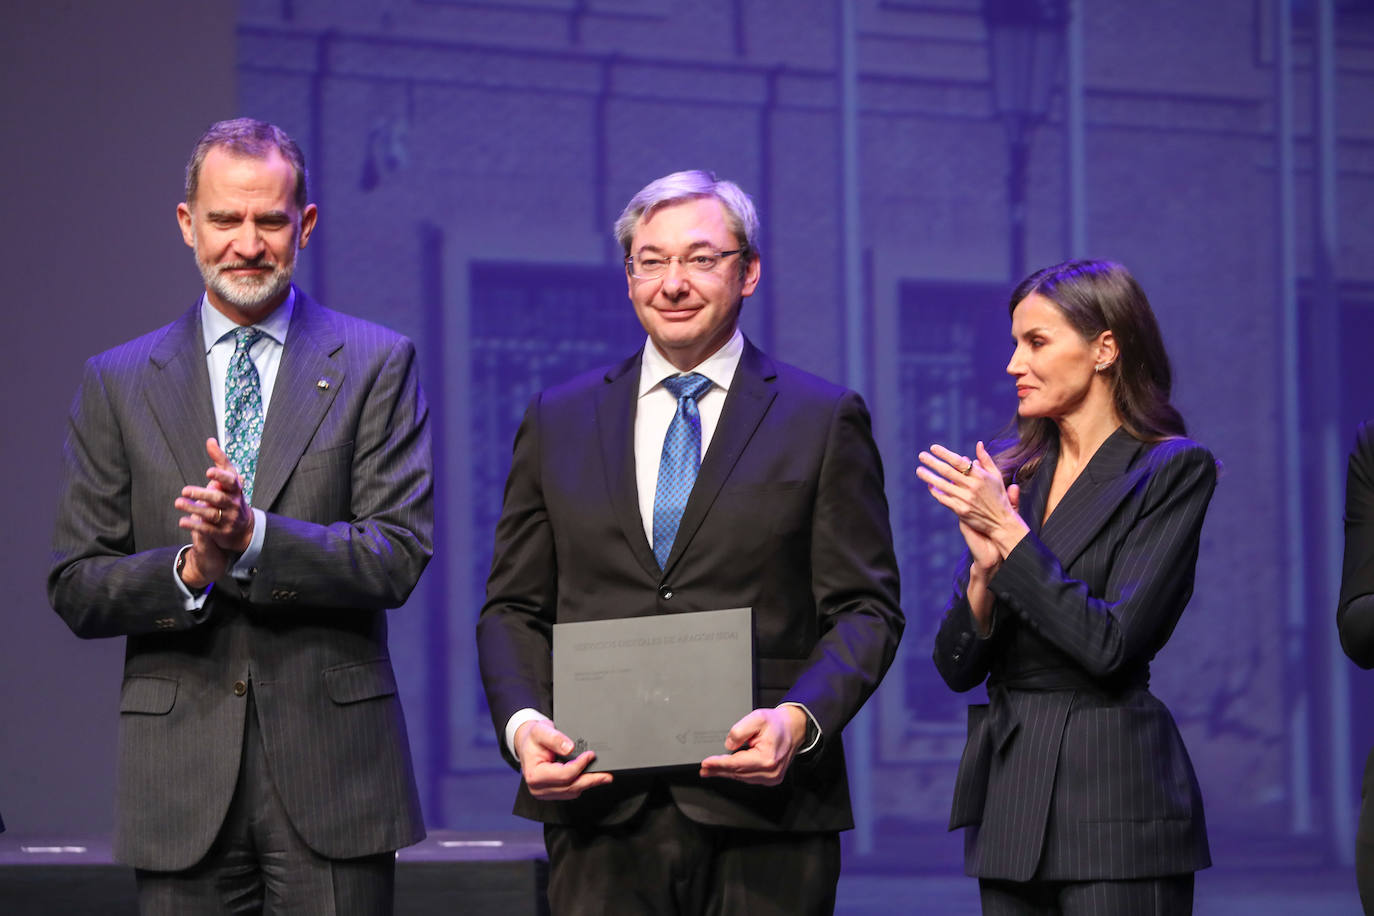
(1075, 789)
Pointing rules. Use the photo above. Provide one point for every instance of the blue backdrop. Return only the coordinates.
(469, 157)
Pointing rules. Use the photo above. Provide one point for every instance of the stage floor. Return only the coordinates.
(1219, 893)
(504, 874)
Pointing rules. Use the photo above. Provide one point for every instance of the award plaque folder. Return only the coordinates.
(657, 691)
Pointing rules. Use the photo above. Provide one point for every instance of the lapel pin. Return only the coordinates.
(322, 384)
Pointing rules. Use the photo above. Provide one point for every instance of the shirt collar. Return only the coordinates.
(214, 324)
(719, 367)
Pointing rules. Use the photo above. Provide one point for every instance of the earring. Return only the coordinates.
(1100, 366)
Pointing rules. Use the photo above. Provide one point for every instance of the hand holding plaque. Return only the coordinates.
(542, 750)
(761, 747)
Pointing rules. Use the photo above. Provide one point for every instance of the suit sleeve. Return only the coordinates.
(1355, 612)
(1151, 575)
(514, 648)
(961, 656)
(854, 578)
(97, 583)
(372, 560)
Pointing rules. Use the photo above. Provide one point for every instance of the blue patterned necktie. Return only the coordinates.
(677, 468)
(243, 409)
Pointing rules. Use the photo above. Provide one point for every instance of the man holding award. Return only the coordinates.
(698, 475)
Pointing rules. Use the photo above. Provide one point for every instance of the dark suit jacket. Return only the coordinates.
(344, 475)
(1075, 770)
(787, 516)
(1355, 617)
(1355, 613)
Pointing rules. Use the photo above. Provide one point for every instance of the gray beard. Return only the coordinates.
(248, 293)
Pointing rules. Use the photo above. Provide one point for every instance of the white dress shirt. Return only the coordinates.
(656, 406)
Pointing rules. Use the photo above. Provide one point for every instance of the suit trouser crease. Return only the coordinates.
(259, 864)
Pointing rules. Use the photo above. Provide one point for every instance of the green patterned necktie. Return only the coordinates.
(243, 409)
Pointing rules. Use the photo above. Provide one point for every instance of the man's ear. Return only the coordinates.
(308, 217)
(751, 276)
(188, 232)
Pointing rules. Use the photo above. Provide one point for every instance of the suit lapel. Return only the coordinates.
(1091, 500)
(180, 399)
(1035, 493)
(308, 380)
(751, 393)
(616, 404)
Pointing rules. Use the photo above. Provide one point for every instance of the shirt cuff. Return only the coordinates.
(520, 717)
(813, 729)
(190, 601)
(246, 565)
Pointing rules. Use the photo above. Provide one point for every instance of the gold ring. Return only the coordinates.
(968, 470)
(219, 513)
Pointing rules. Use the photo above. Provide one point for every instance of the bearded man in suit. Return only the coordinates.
(786, 515)
(263, 758)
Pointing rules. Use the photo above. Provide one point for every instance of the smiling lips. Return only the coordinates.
(246, 270)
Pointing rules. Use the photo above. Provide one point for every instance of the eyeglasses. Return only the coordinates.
(651, 267)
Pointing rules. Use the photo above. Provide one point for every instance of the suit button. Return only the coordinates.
(665, 593)
(240, 688)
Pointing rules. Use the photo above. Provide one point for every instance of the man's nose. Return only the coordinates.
(248, 241)
(675, 278)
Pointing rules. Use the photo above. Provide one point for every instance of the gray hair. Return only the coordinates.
(740, 214)
(251, 138)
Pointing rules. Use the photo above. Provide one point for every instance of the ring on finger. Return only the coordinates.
(219, 514)
(968, 470)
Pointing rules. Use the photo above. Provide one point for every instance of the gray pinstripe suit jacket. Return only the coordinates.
(345, 477)
(1074, 770)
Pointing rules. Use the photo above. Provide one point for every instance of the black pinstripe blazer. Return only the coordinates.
(1074, 770)
(344, 475)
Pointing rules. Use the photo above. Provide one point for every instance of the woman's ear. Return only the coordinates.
(1105, 351)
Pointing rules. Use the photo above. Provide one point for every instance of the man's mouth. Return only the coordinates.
(246, 271)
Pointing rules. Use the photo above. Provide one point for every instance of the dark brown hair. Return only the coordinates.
(1097, 296)
(254, 139)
